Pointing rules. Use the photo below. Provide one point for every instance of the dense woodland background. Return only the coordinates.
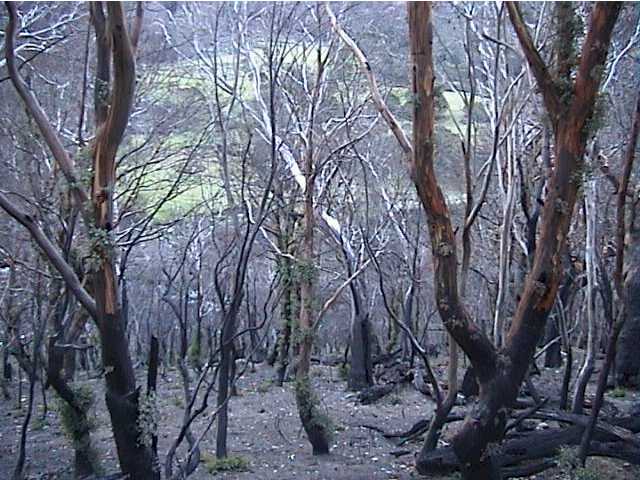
(388, 229)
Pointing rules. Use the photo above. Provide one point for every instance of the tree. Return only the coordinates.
(97, 207)
(500, 373)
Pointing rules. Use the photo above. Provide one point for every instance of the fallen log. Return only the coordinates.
(374, 393)
(534, 446)
(616, 432)
(417, 428)
(387, 377)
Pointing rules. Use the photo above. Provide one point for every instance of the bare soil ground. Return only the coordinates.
(266, 432)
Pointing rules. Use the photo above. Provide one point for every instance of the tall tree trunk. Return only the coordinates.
(407, 318)
(226, 375)
(590, 246)
(361, 367)
(39, 328)
(288, 300)
(315, 423)
(506, 236)
(500, 374)
(122, 394)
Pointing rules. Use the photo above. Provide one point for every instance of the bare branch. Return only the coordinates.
(540, 71)
(36, 111)
(381, 106)
(52, 253)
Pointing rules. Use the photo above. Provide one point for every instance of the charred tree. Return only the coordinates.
(500, 372)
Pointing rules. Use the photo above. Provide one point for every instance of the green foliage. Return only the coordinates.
(40, 423)
(597, 117)
(177, 401)
(194, 354)
(78, 426)
(308, 406)
(223, 465)
(586, 473)
(73, 424)
(567, 457)
(84, 158)
(618, 392)
(148, 414)
(343, 371)
(102, 90)
(193, 189)
(300, 336)
(305, 272)
(264, 386)
(97, 249)
(569, 464)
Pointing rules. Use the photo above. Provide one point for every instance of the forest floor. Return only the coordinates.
(264, 430)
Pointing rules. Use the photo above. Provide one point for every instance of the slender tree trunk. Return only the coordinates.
(225, 377)
(505, 253)
(287, 306)
(315, 423)
(360, 371)
(566, 344)
(40, 326)
(590, 356)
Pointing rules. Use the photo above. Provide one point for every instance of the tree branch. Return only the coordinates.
(36, 111)
(52, 253)
(456, 319)
(381, 106)
(540, 71)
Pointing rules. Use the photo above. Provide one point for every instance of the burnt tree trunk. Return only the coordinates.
(501, 373)
(122, 393)
(361, 366)
(552, 357)
(287, 308)
(84, 463)
(627, 366)
(627, 358)
(226, 373)
(315, 423)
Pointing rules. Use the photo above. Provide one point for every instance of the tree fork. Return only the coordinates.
(500, 373)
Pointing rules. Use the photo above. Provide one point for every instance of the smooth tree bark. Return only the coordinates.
(501, 372)
(122, 394)
(589, 360)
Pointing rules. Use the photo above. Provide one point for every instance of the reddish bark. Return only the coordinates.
(500, 373)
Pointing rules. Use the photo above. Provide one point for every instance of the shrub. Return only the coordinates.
(148, 415)
(264, 386)
(73, 425)
(618, 392)
(216, 465)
